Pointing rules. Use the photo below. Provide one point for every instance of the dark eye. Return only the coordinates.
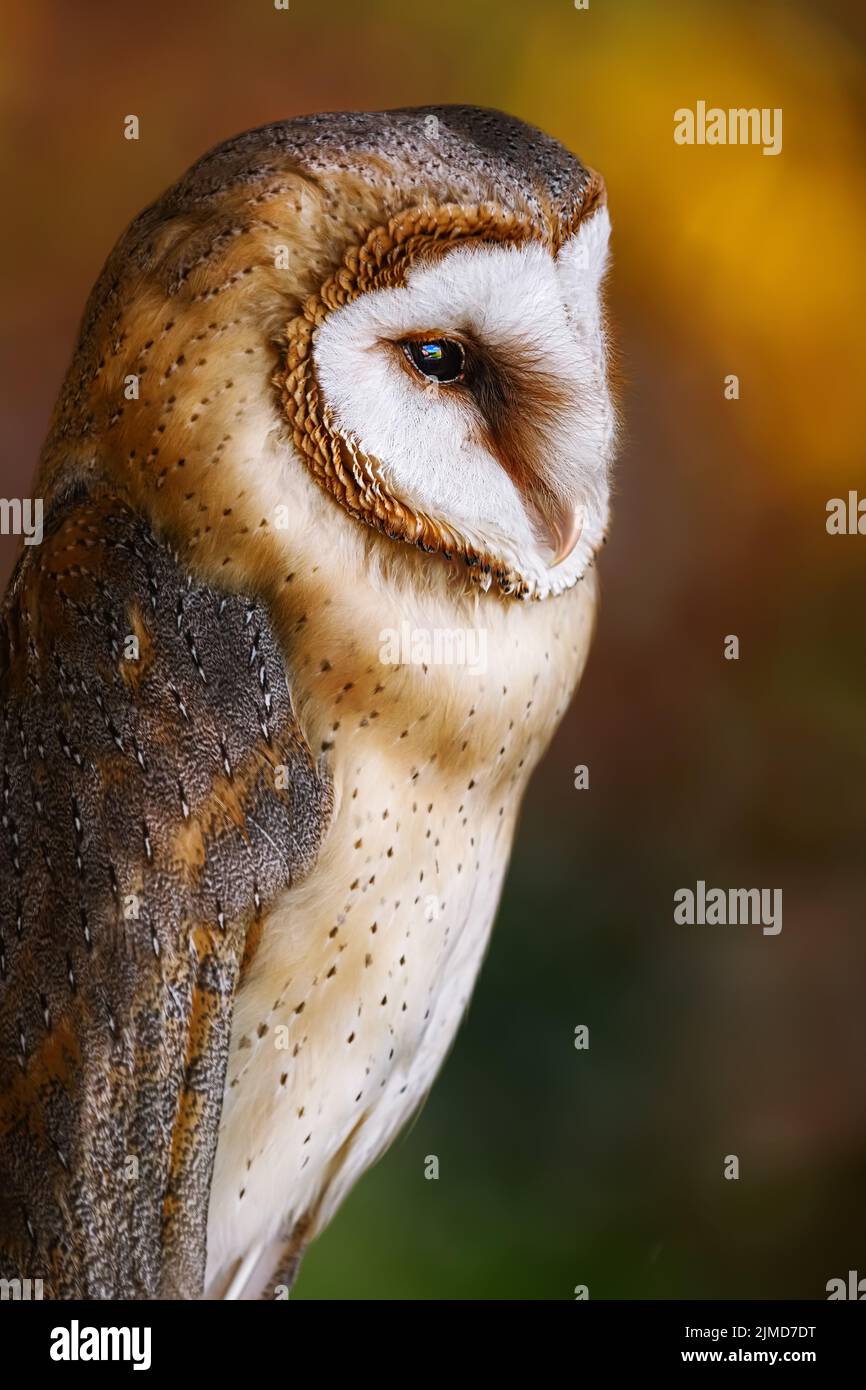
(438, 359)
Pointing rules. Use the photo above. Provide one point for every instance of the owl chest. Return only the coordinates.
(359, 985)
(363, 971)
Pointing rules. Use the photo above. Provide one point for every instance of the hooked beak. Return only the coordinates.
(557, 523)
(565, 527)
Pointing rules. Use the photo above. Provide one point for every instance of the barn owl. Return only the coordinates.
(346, 379)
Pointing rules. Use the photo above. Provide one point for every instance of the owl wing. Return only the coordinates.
(157, 793)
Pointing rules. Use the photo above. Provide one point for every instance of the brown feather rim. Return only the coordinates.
(382, 260)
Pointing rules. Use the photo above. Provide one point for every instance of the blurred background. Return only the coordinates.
(603, 1167)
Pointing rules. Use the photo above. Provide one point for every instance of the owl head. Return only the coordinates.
(411, 298)
(448, 383)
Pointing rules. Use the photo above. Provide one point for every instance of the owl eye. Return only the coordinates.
(438, 359)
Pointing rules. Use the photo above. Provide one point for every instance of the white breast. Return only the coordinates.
(364, 970)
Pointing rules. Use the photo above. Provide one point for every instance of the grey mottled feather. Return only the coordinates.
(129, 787)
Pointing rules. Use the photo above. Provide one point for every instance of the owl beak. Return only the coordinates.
(564, 528)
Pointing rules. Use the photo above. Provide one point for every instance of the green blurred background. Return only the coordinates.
(602, 1167)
